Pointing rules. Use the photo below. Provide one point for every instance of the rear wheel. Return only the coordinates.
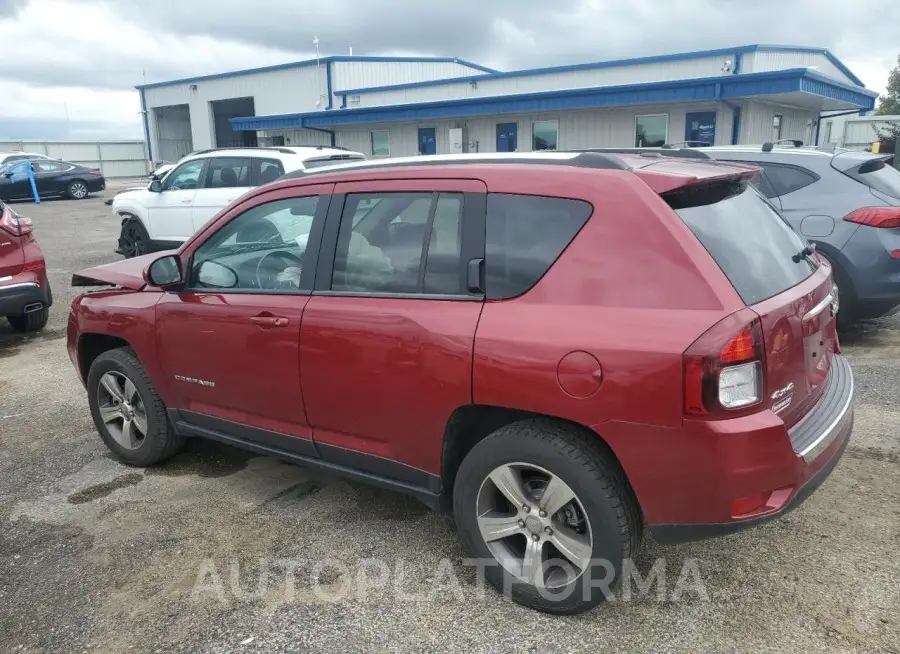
(550, 513)
(77, 190)
(128, 413)
(133, 239)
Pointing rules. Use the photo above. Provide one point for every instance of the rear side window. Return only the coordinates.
(787, 179)
(525, 235)
(878, 176)
(263, 171)
(749, 240)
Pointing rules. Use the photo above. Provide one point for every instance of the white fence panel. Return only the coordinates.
(126, 158)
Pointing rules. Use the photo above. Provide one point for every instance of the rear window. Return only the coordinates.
(750, 241)
(787, 179)
(525, 235)
(878, 176)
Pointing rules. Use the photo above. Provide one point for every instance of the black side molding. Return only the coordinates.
(359, 466)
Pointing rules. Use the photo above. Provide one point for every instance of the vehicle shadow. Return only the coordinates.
(869, 332)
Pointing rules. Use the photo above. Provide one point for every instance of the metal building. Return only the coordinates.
(393, 106)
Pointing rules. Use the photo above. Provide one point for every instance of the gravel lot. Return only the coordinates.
(97, 556)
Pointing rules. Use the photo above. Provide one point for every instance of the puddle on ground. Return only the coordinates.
(97, 491)
(204, 458)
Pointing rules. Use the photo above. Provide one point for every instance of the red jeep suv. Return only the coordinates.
(566, 350)
(25, 295)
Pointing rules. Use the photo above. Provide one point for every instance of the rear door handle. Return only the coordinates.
(186, 201)
(270, 321)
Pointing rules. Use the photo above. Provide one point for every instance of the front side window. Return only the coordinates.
(46, 166)
(545, 135)
(261, 249)
(525, 235)
(382, 243)
(186, 176)
(227, 172)
(381, 144)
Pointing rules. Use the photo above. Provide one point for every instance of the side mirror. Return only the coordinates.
(155, 186)
(165, 272)
(215, 275)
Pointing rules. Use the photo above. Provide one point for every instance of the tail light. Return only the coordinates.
(723, 369)
(14, 224)
(875, 216)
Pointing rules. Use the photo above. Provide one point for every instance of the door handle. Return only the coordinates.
(270, 321)
(186, 201)
(230, 200)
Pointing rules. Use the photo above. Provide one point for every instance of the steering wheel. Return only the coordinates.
(287, 258)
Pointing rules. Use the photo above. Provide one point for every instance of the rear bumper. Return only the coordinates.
(874, 273)
(790, 465)
(19, 297)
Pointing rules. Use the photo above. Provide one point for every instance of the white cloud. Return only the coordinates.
(87, 55)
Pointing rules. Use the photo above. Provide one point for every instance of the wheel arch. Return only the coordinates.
(470, 424)
(91, 345)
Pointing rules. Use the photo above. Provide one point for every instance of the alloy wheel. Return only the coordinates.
(122, 410)
(78, 190)
(534, 525)
(133, 244)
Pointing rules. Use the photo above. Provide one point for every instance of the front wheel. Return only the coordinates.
(128, 413)
(133, 239)
(549, 512)
(77, 190)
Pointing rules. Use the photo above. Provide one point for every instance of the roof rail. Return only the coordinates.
(570, 158)
(768, 145)
(244, 147)
(682, 153)
(690, 144)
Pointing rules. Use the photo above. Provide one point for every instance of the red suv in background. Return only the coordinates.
(563, 349)
(25, 295)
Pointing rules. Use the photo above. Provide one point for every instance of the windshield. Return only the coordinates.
(751, 242)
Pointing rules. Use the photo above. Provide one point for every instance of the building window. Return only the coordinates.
(381, 144)
(651, 130)
(545, 135)
(776, 127)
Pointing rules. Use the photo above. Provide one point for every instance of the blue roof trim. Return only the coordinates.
(704, 89)
(313, 62)
(735, 52)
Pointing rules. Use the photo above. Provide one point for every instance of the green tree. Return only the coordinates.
(889, 103)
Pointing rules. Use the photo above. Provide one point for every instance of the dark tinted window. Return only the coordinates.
(787, 179)
(525, 235)
(227, 172)
(762, 184)
(751, 243)
(263, 171)
(382, 238)
(878, 176)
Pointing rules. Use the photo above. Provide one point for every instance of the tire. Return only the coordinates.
(77, 190)
(158, 441)
(611, 521)
(846, 298)
(133, 238)
(30, 322)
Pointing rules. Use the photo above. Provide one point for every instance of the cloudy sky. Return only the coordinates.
(69, 66)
